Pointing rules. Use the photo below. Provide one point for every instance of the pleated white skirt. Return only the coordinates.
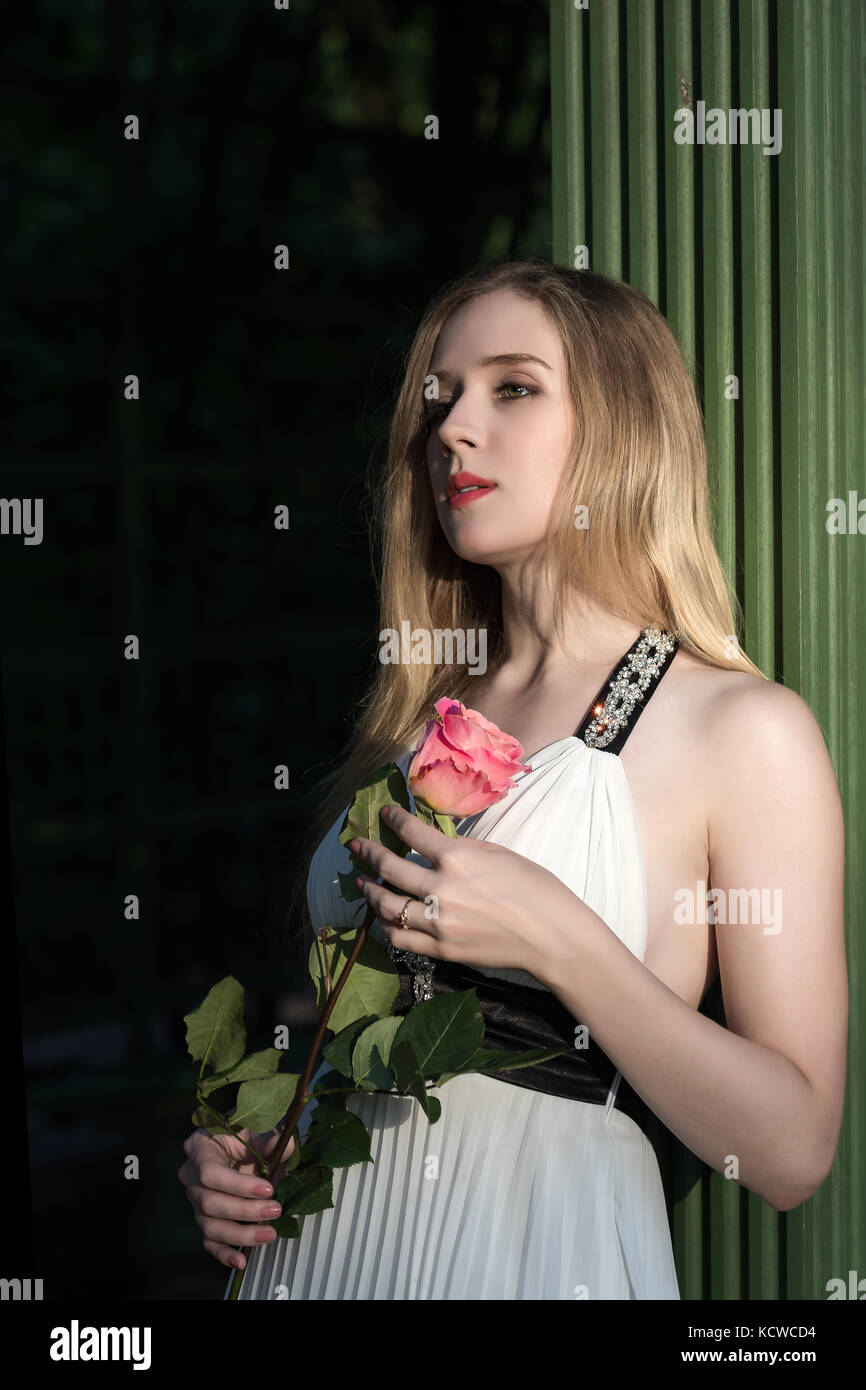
(512, 1194)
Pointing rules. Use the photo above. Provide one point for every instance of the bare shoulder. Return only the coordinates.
(747, 730)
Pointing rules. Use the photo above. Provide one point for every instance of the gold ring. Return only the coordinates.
(404, 913)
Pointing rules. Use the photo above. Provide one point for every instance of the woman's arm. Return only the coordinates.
(770, 1088)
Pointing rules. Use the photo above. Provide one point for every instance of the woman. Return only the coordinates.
(581, 546)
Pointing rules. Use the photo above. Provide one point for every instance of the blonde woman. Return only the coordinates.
(546, 485)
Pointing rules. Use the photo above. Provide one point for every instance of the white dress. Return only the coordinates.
(531, 1196)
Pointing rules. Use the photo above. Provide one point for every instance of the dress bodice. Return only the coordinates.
(572, 812)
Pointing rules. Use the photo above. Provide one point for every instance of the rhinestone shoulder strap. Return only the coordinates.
(623, 697)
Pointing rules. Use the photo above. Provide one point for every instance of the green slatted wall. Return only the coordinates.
(758, 263)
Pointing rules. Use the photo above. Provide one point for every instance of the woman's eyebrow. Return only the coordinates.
(508, 359)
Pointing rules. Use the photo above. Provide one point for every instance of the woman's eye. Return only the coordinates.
(517, 386)
(432, 413)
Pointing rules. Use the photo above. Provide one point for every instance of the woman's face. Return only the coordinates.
(506, 423)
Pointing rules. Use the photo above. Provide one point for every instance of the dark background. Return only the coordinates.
(258, 387)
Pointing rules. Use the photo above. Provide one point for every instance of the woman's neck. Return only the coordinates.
(534, 651)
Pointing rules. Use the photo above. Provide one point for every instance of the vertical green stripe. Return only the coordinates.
(687, 1229)
(827, 611)
(845, 1183)
(757, 172)
(679, 84)
(719, 358)
(642, 137)
(824, 554)
(607, 212)
(568, 154)
(799, 315)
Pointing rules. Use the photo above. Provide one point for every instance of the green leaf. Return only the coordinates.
(254, 1067)
(349, 890)
(370, 1057)
(446, 824)
(339, 1050)
(305, 1191)
(215, 1032)
(326, 1111)
(441, 819)
(418, 1089)
(445, 1031)
(332, 1081)
(204, 1119)
(340, 1140)
(286, 1225)
(261, 1104)
(371, 988)
(384, 786)
(403, 1063)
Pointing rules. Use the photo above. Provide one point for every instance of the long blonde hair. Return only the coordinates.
(638, 462)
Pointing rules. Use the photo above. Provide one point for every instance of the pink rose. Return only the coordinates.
(463, 763)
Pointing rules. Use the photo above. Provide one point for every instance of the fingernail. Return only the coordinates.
(272, 1211)
(264, 1189)
(269, 1234)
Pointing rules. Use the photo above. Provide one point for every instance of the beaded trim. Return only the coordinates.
(422, 968)
(614, 713)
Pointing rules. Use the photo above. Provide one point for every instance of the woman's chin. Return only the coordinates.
(480, 554)
(481, 546)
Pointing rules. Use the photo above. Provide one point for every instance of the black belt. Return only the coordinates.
(518, 1017)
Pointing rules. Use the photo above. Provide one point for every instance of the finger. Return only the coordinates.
(388, 907)
(222, 1178)
(232, 1259)
(402, 873)
(230, 1234)
(428, 840)
(418, 942)
(186, 1174)
(220, 1206)
(189, 1142)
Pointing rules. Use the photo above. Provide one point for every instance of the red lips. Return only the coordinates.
(461, 480)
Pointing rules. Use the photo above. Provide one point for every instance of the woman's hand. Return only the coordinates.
(225, 1186)
(479, 903)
